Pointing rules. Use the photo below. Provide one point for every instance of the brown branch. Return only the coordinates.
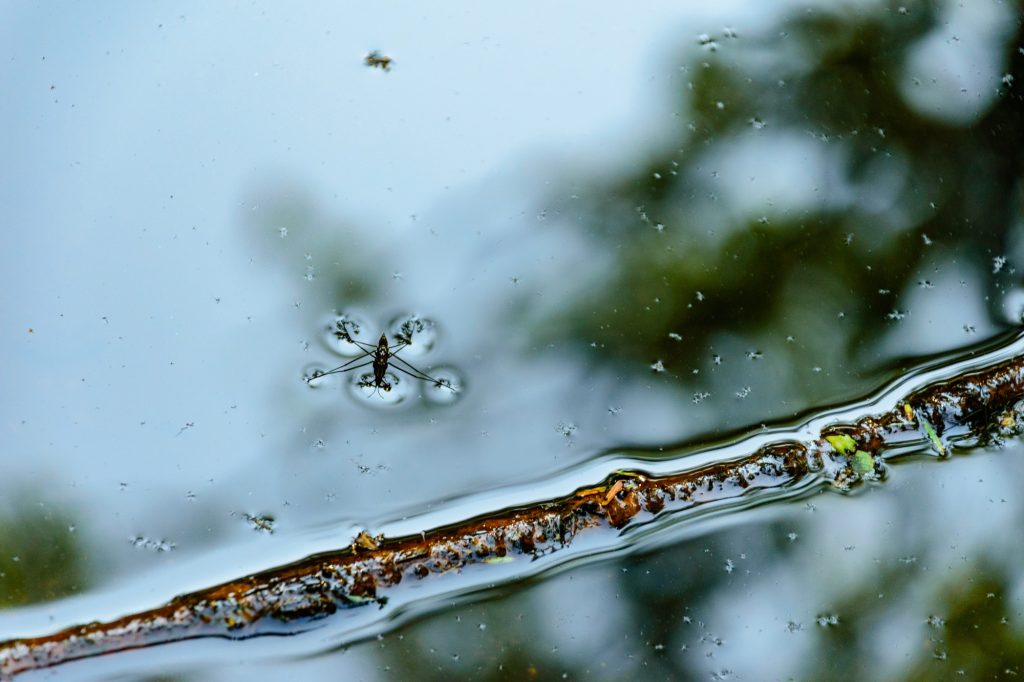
(292, 598)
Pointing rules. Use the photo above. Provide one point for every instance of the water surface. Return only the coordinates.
(632, 229)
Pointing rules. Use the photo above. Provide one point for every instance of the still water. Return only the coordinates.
(628, 230)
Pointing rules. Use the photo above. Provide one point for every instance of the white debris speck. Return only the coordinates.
(567, 429)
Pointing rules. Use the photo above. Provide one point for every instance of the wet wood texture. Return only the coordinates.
(982, 404)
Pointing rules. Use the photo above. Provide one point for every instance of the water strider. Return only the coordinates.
(383, 357)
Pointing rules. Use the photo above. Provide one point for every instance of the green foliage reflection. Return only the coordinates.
(894, 180)
(40, 556)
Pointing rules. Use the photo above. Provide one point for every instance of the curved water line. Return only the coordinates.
(632, 498)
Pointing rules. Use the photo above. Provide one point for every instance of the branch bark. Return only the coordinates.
(979, 404)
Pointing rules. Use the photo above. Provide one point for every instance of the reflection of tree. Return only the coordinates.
(970, 628)
(835, 82)
(981, 635)
(290, 232)
(655, 622)
(668, 592)
(647, 624)
(40, 559)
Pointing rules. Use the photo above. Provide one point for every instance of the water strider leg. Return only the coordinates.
(346, 368)
(420, 374)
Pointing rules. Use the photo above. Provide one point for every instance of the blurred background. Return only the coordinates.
(631, 230)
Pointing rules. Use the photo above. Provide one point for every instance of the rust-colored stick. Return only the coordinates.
(289, 599)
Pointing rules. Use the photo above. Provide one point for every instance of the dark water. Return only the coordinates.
(630, 230)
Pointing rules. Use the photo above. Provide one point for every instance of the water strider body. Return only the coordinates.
(383, 357)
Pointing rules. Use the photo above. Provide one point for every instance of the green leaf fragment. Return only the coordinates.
(498, 559)
(934, 436)
(842, 443)
(863, 463)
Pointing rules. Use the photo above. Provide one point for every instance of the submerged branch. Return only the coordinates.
(975, 405)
